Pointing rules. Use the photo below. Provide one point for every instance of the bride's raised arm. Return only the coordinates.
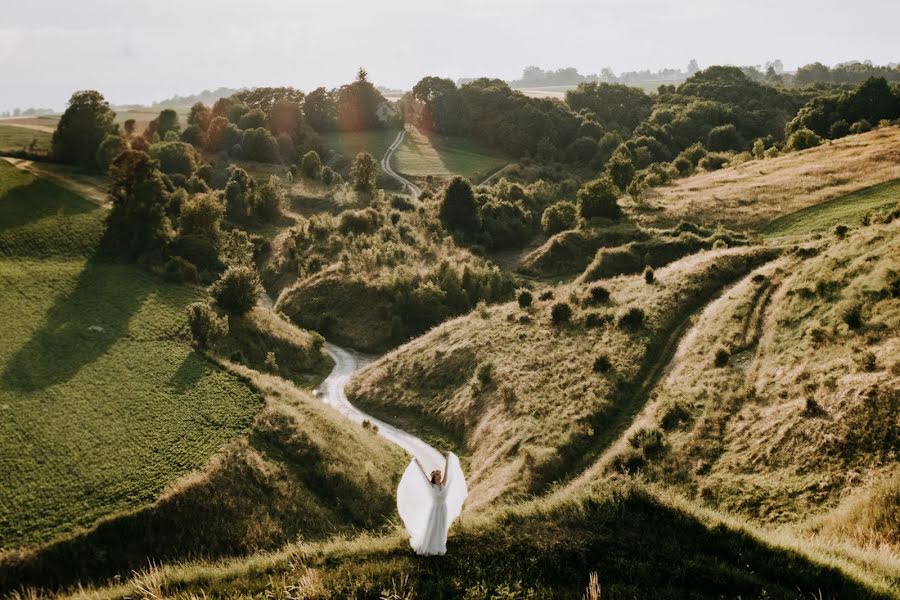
(422, 470)
(446, 470)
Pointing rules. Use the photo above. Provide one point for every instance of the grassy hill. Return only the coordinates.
(535, 399)
(110, 419)
(14, 138)
(753, 194)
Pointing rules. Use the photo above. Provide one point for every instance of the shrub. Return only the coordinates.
(312, 165)
(178, 270)
(599, 294)
(561, 216)
(561, 312)
(861, 126)
(546, 295)
(458, 209)
(269, 199)
(868, 362)
(597, 319)
(237, 290)
(683, 165)
(484, 373)
(631, 319)
(648, 275)
(672, 413)
(206, 327)
(841, 230)
(602, 364)
(258, 144)
(505, 224)
(109, 148)
(802, 139)
(597, 198)
(839, 129)
(271, 363)
(724, 137)
(329, 177)
(651, 441)
(201, 215)
(364, 173)
(892, 283)
(694, 153)
(851, 314)
(525, 298)
(721, 357)
(713, 161)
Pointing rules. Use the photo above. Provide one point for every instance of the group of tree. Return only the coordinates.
(855, 110)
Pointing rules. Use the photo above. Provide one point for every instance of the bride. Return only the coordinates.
(429, 504)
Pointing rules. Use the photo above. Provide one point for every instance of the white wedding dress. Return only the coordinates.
(427, 509)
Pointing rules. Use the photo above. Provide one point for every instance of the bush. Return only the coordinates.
(860, 126)
(724, 137)
(485, 373)
(505, 224)
(178, 270)
(721, 358)
(683, 166)
(651, 442)
(631, 319)
(271, 362)
(258, 144)
(269, 199)
(546, 295)
(175, 158)
(561, 216)
(851, 314)
(312, 165)
(561, 312)
(237, 290)
(525, 298)
(694, 153)
(364, 173)
(329, 177)
(839, 129)
(802, 139)
(648, 275)
(713, 161)
(602, 364)
(201, 215)
(597, 198)
(599, 294)
(673, 413)
(597, 319)
(109, 148)
(458, 209)
(206, 327)
(841, 230)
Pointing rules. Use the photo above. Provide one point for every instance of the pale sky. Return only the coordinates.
(138, 51)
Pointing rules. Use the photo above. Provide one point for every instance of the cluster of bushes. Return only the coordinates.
(856, 110)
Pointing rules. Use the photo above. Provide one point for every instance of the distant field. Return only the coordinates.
(14, 138)
(559, 91)
(420, 156)
(847, 210)
(756, 193)
(351, 143)
(101, 407)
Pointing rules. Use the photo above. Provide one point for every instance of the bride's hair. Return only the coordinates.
(436, 476)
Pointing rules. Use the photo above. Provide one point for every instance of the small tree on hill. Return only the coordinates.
(312, 165)
(83, 126)
(111, 146)
(364, 173)
(597, 198)
(620, 169)
(206, 326)
(167, 121)
(561, 216)
(202, 215)
(269, 199)
(237, 290)
(459, 211)
(802, 139)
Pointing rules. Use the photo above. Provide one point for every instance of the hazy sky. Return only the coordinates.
(137, 51)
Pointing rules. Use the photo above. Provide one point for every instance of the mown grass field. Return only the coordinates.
(13, 138)
(102, 407)
(350, 143)
(847, 210)
(444, 156)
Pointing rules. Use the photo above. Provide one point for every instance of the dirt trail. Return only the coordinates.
(90, 187)
(386, 167)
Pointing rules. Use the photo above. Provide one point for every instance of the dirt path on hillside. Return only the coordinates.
(15, 122)
(90, 187)
(390, 172)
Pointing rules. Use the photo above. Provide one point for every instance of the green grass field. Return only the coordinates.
(847, 210)
(14, 138)
(442, 156)
(351, 143)
(101, 406)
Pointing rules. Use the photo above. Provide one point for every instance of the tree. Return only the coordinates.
(505, 224)
(364, 173)
(129, 125)
(237, 290)
(597, 198)
(269, 199)
(620, 169)
(200, 116)
(458, 210)
(724, 137)
(206, 326)
(167, 121)
(222, 135)
(137, 223)
(320, 110)
(803, 139)
(88, 119)
(616, 106)
(175, 157)
(109, 148)
(239, 193)
(356, 104)
(561, 216)
(311, 166)
(252, 120)
(259, 145)
(202, 215)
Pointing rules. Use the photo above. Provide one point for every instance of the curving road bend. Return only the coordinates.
(386, 166)
(331, 391)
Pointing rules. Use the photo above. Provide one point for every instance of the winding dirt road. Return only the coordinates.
(332, 392)
(386, 167)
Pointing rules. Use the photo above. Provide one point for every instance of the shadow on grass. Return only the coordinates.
(30, 202)
(80, 327)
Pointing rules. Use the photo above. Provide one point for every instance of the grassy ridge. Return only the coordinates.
(14, 138)
(847, 210)
(350, 143)
(638, 545)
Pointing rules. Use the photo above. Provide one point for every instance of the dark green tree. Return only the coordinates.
(312, 165)
(458, 209)
(87, 120)
(598, 198)
(237, 290)
(364, 173)
(137, 223)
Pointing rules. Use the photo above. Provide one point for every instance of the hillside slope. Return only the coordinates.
(534, 399)
(750, 195)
